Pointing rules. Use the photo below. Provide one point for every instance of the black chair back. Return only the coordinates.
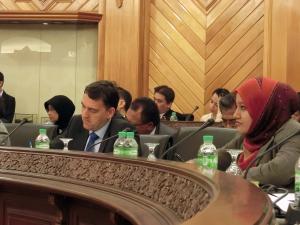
(163, 141)
(189, 148)
(25, 135)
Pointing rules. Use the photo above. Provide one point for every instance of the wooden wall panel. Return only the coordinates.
(282, 38)
(197, 46)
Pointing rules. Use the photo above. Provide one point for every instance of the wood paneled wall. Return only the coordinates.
(197, 46)
(282, 38)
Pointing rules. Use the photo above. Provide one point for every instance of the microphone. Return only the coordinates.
(203, 126)
(224, 160)
(259, 156)
(23, 121)
(108, 138)
(189, 116)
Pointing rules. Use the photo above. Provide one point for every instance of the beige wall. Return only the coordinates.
(42, 61)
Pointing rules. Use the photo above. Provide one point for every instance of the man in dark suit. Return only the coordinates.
(96, 122)
(7, 104)
(144, 115)
(164, 97)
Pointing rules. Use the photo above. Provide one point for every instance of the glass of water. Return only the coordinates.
(234, 168)
(151, 147)
(66, 143)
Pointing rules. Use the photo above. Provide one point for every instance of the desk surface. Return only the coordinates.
(141, 191)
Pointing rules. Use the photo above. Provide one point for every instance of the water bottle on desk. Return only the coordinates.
(207, 154)
(173, 117)
(130, 145)
(119, 143)
(42, 141)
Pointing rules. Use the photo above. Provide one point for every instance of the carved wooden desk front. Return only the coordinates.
(54, 187)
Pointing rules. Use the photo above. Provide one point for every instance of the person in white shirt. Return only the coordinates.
(214, 105)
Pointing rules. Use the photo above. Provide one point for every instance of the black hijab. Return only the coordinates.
(64, 108)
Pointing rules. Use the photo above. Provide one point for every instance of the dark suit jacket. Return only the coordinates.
(168, 114)
(7, 108)
(80, 135)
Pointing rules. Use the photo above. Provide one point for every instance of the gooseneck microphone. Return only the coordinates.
(108, 138)
(23, 121)
(190, 115)
(259, 156)
(203, 126)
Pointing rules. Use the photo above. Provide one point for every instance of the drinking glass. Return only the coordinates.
(234, 168)
(151, 147)
(66, 142)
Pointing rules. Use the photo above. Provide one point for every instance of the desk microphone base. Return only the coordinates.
(293, 214)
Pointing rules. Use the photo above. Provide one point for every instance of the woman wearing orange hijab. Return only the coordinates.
(263, 118)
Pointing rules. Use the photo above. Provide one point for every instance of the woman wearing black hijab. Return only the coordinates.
(60, 110)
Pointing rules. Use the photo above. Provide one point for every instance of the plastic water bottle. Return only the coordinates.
(130, 146)
(207, 154)
(119, 143)
(173, 117)
(42, 141)
(297, 183)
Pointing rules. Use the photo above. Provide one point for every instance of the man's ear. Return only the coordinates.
(121, 104)
(110, 112)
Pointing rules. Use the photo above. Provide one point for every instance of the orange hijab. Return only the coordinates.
(270, 104)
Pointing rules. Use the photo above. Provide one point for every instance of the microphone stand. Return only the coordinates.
(203, 126)
(190, 115)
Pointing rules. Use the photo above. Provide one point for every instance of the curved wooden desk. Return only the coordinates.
(54, 187)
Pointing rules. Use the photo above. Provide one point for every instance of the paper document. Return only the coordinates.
(283, 204)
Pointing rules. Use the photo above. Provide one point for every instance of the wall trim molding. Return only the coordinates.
(64, 17)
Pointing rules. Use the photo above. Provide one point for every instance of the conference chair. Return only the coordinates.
(25, 135)
(163, 141)
(189, 148)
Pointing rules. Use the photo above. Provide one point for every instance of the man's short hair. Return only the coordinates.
(124, 94)
(227, 102)
(149, 111)
(221, 92)
(165, 91)
(1, 77)
(103, 90)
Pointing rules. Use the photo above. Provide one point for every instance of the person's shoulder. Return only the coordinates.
(164, 129)
(205, 117)
(117, 123)
(8, 96)
(288, 128)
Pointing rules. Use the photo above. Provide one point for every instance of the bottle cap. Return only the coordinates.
(122, 134)
(208, 139)
(130, 134)
(42, 131)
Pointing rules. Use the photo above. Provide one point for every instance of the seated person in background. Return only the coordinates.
(60, 110)
(227, 108)
(144, 115)
(296, 115)
(7, 104)
(263, 117)
(96, 122)
(214, 106)
(124, 101)
(164, 97)
(4, 140)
